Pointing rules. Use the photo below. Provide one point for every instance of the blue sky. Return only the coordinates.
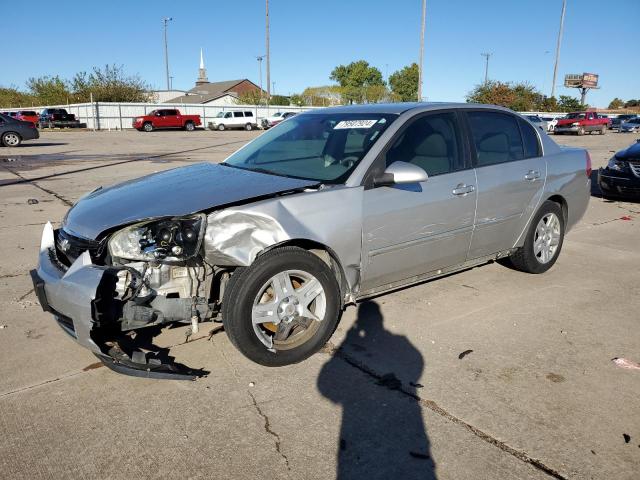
(310, 37)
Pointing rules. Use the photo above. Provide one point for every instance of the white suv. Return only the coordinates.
(234, 119)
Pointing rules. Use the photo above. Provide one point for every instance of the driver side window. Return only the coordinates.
(430, 142)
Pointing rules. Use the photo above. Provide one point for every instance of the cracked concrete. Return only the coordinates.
(267, 428)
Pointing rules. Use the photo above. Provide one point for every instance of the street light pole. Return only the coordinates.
(268, 54)
(260, 58)
(420, 74)
(166, 51)
(555, 66)
(486, 66)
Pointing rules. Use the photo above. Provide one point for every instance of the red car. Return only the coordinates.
(166, 118)
(27, 116)
(581, 123)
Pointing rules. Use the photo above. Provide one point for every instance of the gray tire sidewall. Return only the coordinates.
(4, 142)
(243, 288)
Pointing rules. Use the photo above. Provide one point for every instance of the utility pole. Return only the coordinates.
(260, 58)
(273, 87)
(486, 66)
(166, 51)
(420, 74)
(268, 56)
(555, 66)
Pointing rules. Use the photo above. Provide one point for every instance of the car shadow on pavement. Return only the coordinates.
(382, 433)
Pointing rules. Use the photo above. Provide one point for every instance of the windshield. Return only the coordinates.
(220, 115)
(324, 147)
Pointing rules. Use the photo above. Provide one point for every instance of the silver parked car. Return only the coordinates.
(324, 210)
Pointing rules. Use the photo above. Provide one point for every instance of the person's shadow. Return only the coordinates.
(382, 433)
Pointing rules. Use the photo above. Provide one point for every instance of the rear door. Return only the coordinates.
(238, 119)
(172, 118)
(510, 172)
(412, 229)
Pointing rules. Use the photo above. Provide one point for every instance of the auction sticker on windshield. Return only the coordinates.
(355, 124)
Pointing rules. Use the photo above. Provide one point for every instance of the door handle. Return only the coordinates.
(463, 189)
(532, 175)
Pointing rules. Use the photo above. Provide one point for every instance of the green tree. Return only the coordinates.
(404, 83)
(49, 90)
(570, 104)
(355, 78)
(109, 84)
(297, 99)
(12, 97)
(251, 97)
(279, 100)
(616, 103)
(632, 103)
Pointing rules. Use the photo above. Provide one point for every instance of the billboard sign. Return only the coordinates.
(581, 80)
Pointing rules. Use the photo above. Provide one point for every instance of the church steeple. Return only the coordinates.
(202, 72)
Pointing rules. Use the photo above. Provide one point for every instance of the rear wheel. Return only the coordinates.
(11, 139)
(147, 127)
(283, 308)
(248, 127)
(221, 127)
(543, 241)
(189, 126)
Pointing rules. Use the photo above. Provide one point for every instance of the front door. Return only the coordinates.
(409, 230)
(511, 172)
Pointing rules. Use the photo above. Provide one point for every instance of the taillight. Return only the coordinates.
(588, 170)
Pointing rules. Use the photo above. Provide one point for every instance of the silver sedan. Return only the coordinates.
(324, 210)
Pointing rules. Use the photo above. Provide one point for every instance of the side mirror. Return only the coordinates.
(401, 173)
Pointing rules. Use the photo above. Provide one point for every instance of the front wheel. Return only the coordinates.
(221, 127)
(147, 127)
(283, 308)
(581, 131)
(11, 139)
(543, 241)
(603, 130)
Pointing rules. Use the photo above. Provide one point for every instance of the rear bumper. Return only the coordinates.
(619, 184)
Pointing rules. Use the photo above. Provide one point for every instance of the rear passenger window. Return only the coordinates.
(496, 137)
(248, 114)
(430, 142)
(237, 114)
(530, 140)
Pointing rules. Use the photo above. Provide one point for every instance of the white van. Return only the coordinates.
(234, 119)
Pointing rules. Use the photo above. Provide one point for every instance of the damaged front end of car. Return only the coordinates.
(145, 275)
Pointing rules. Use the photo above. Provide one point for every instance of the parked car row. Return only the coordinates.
(13, 131)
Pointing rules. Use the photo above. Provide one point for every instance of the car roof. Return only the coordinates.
(399, 108)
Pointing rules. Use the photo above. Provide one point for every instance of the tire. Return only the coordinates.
(525, 258)
(244, 293)
(189, 126)
(580, 131)
(248, 127)
(11, 139)
(147, 127)
(603, 130)
(221, 127)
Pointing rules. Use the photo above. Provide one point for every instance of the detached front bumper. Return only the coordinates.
(624, 184)
(70, 293)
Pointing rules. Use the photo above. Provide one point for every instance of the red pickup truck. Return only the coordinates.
(582, 122)
(166, 118)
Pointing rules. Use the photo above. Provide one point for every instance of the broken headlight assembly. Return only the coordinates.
(167, 240)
